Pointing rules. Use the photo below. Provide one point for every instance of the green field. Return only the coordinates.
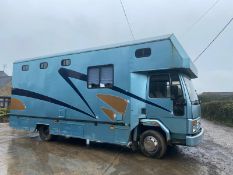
(218, 106)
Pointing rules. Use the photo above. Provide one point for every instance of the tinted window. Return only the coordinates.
(145, 52)
(44, 65)
(176, 90)
(106, 76)
(159, 86)
(66, 62)
(25, 67)
(177, 95)
(93, 77)
(100, 76)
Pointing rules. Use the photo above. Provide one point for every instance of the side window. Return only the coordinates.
(66, 62)
(44, 65)
(100, 76)
(106, 76)
(176, 90)
(159, 86)
(177, 95)
(93, 77)
(25, 68)
(145, 52)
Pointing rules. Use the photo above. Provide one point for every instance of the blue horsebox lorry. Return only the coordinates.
(137, 94)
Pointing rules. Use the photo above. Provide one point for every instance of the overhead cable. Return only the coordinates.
(128, 23)
(213, 40)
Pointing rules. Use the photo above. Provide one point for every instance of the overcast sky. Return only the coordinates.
(30, 28)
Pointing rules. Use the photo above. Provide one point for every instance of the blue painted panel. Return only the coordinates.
(130, 82)
(138, 87)
(71, 129)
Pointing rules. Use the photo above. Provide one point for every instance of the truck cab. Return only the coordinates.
(167, 76)
(173, 90)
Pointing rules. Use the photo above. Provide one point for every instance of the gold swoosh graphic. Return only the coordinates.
(109, 113)
(118, 103)
(17, 104)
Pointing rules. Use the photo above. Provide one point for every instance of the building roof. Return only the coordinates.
(4, 79)
(3, 74)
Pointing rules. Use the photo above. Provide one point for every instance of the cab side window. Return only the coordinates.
(159, 86)
(177, 96)
(176, 90)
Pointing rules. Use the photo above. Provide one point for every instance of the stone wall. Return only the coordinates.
(6, 90)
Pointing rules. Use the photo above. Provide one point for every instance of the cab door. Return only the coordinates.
(166, 91)
(158, 92)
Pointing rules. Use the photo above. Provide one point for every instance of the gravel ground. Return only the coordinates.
(23, 153)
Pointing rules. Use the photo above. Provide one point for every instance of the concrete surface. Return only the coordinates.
(23, 153)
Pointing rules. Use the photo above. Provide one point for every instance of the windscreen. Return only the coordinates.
(191, 90)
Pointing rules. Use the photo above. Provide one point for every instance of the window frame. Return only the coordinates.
(65, 61)
(42, 65)
(142, 50)
(187, 88)
(181, 85)
(99, 67)
(159, 74)
(170, 83)
(23, 66)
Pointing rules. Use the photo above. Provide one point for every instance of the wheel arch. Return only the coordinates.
(38, 125)
(153, 124)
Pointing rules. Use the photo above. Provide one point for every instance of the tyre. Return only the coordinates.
(134, 146)
(153, 144)
(44, 133)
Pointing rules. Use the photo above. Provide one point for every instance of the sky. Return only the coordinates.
(43, 27)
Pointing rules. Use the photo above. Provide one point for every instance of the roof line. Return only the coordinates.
(106, 47)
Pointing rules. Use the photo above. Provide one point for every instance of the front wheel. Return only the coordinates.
(44, 133)
(153, 144)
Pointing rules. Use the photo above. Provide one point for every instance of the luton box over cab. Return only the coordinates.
(138, 94)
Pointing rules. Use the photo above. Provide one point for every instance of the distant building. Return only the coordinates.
(5, 89)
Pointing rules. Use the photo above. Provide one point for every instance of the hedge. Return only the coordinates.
(3, 115)
(220, 111)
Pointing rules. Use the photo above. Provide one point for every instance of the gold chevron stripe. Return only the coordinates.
(16, 104)
(109, 113)
(119, 104)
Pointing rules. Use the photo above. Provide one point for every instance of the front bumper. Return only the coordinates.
(194, 139)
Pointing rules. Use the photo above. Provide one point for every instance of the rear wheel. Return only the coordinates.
(153, 144)
(44, 133)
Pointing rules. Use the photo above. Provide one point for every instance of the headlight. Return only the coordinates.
(196, 124)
